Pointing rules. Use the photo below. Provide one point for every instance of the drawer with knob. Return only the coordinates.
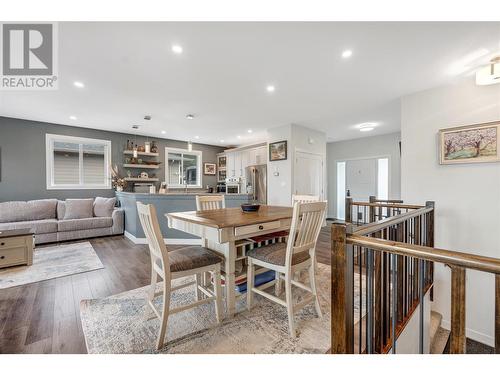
(6, 243)
(13, 256)
(254, 229)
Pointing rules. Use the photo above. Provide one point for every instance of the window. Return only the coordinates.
(77, 163)
(341, 190)
(182, 167)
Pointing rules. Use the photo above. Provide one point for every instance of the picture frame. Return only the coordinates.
(209, 169)
(478, 143)
(278, 151)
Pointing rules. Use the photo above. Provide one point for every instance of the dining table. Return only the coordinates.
(220, 230)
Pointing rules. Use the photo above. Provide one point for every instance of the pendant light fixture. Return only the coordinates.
(190, 146)
(489, 74)
(135, 154)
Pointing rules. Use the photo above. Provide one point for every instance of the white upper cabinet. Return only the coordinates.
(261, 155)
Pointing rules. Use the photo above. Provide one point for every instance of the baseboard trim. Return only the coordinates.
(168, 241)
(472, 334)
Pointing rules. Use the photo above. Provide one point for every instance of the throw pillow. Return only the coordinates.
(78, 208)
(103, 207)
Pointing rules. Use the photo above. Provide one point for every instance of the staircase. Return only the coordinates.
(438, 335)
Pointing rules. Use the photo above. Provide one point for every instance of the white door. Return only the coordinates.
(361, 178)
(308, 173)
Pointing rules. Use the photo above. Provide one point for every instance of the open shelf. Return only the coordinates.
(137, 179)
(129, 152)
(141, 166)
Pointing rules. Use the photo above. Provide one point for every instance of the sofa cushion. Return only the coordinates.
(61, 209)
(41, 209)
(79, 209)
(38, 226)
(87, 223)
(103, 207)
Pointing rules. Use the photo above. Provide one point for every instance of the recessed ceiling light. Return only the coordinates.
(163, 132)
(79, 84)
(366, 129)
(270, 88)
(250, 131)
(238, 136)
(190, 117)
(196, 137)
(72, 117)
(347, 53)
(222, 141)
(177, 49)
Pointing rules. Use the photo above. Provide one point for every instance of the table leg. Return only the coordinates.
(230, 255)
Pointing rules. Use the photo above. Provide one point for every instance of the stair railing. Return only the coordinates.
(394, 273)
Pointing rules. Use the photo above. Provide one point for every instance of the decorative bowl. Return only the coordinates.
(249, 207)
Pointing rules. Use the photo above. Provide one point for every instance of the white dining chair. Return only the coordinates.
(207, 203)
(288, 259)
(188, 261)
(210, 202)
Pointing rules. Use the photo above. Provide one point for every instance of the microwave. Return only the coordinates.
(232, 188)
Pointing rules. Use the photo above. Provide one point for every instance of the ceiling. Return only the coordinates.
(129, 70)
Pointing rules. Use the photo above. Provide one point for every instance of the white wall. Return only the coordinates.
(369, 147)
(300, 138)
(467, 196)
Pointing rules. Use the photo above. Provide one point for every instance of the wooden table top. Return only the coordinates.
(15, 233)
(233, 217)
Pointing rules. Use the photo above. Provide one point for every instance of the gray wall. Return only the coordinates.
(369, 147)
(22, 153)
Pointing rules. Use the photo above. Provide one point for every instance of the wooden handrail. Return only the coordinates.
(393, 220)
(452, 258)
(387, 205)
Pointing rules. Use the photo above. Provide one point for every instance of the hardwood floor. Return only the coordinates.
(44, 317)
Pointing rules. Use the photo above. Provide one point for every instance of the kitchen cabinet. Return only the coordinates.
(237, 161)
(261, 155)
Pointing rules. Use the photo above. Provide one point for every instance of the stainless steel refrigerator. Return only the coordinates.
(256, 180)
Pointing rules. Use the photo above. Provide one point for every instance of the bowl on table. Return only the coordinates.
(250, 207)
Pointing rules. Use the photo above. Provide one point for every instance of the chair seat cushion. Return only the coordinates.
(275, 254)
(82, 224)
(37, 226)
(192, 257)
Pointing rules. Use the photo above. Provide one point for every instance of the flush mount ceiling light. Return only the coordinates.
(270, 88)
(250, 131)
(489, 74)
(190, 117)
(72, 117)
(163, 132)
(347, 53)
(147, 117)
(467, 62)
(196, 137)
(79, 84)
(177, 49)
(222, 141)
(366, 126)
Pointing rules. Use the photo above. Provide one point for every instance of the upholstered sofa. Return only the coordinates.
(50, 223)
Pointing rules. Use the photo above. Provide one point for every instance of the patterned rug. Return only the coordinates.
(50, 262)
(117, 324)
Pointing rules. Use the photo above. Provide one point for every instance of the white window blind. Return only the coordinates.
(77, 163)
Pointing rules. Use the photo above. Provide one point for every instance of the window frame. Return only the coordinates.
(50, 139)
(198, 154)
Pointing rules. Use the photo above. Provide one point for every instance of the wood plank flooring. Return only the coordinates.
(44, 317)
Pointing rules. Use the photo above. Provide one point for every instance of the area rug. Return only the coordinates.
(50, 262)
(117, 324)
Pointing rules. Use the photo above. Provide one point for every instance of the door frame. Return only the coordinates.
(389, 190)
(323, 171)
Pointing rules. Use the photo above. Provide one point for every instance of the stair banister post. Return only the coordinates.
(457, 336)
(372, 199)
(342, 275)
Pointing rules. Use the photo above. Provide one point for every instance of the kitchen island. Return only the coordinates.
(166, 203)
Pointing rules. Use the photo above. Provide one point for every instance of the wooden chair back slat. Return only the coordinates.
(306, 223)
(154, 237)
(210, 202)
